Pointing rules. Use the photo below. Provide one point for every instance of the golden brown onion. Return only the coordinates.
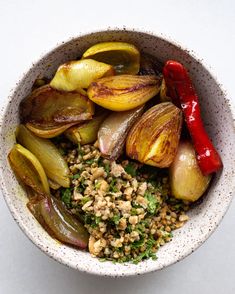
(48, 132)
(48, 107)
(186, 179)
(124, 57)
(124, 92)
(154, 139)
(85, 133)
(52, 161)
(79, 74)
(28, 168)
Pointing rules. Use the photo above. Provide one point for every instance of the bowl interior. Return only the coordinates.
(204, 218)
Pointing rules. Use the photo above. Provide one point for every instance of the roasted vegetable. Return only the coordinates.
(124, 57)
(124, 92)
(79, 74)
(149, 65)
(48, 107)
(52, 161)
(154, 139)
(64, 226)
(113, 131)
(186, 179)
(57, 221)
(53, 185)
(163, 92)
(28, 168)
(182, 92)
(85, 133)
(34, 206)
(48, 132)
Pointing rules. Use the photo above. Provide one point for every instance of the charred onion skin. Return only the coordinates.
(154, 139)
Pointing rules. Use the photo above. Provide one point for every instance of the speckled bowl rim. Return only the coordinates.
(6, 195)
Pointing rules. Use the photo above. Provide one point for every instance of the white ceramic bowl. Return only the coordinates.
(218, 120)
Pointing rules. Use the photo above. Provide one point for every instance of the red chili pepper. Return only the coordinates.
(183, 94)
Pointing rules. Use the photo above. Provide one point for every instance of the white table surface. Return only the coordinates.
(29, 28)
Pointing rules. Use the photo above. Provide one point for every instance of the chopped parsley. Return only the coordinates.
(76, 176)
(92, 220)
(153, 204)
(84, 200)
(90, 161)
(66, 196)
(112, 187)
(148, 253)
(107, 168)
(82, 186)
(97, 185)
(115, 219)
(130, 168)
(137, 244)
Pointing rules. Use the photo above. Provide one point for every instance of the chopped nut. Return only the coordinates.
(99, 172)
(142, 188)
(183, 218)
(124, 206)
(104, 186)
(128, 191)
(116, 169)
(134, 235)
(142, 201)
(86, 205)
(122, 224)
(117, 242)
(87, 191)
(76, 195)
(133, 220)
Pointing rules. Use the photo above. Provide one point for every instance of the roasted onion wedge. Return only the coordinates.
(52, 161)
(48, 132)
(150, 65)
(113, 131)
(124, 57)
(28, 169)
(79, 74)
(154, 138)
(85, 133)
(186, 179)
(57, 221)
(124, 92)
(63, 225)
(49, 107)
